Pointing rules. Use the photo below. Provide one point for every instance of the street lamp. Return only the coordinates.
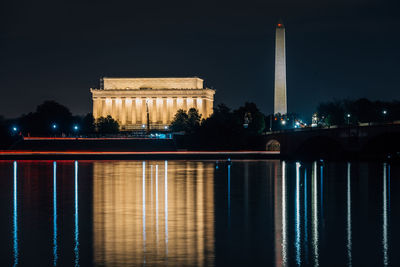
(348, 115)
(384, 113)
(76, 128)
(283, 122)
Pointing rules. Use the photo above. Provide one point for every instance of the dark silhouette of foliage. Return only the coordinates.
(107, 125)
(361, 111)
(48, 113)
(180, 121)
(255, 118)
(88, 124)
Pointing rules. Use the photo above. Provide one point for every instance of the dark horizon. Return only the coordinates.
(336, 49)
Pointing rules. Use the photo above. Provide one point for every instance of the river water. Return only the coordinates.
(199, 213)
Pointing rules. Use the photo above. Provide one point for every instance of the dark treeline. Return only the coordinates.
(224, 129)
(53, 119)
(342, 112)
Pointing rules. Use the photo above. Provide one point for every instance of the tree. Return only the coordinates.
(180, 121)
(88, 124)
(251, 114)
(193, 121)
(48, 113)
(107, 125)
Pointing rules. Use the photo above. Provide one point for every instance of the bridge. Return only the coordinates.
(369, 141)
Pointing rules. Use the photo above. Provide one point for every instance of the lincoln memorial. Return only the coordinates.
(129, 100)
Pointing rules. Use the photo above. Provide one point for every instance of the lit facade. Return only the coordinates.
(136, 102)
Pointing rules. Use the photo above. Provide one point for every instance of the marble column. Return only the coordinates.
(194, 99)
(205, 115)
(128, 106)
(134, 110)
(123, 111)
(154, 110)
(103, 107)
(144, 112)
(174, 107)
(184, 105)
(95, 107)
(113, 108)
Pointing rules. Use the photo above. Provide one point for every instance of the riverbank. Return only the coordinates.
(137, 155)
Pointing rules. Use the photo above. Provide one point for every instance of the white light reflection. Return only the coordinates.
(305, 218)
(284, 215)
(55, 256)
(166, 205)
(297, 213)
(322, 191)
(314, 212)
(144, 208)
(229, 195)
(385, 219)
(349, 243)
(157, 203)
(15, 217)
(76, 250)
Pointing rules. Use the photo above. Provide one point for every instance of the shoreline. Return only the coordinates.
(117, 155)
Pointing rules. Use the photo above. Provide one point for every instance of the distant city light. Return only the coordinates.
(54, 126)
(384, 112)
(165, 127)
(348, 115)
(76, 127)
(283, 122)
(143, 125)
(14, 129)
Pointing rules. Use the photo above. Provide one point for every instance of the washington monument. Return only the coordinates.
(280, 105)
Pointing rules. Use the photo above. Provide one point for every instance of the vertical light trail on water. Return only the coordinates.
(55, 256)
(305, 218)
(314, 213)
(15, 217)
(166, 205)
(229, 195)
(157, 203)
(76, 249)
(349, 242)
(144, 209)
(284, 216)
(322, 191)
(385, 219)
(297, 215)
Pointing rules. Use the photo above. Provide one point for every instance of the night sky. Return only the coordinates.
(57, 50)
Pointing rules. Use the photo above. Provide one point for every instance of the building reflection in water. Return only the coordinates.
(280, 214)
(314, 213)
(15, 216)
(297, 215)
(127, 219)
(386, 181)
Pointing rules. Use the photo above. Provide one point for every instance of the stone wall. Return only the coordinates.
(152, 83)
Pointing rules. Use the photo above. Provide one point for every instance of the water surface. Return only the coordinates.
(199, 213)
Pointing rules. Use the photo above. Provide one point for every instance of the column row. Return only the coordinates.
(133, 110)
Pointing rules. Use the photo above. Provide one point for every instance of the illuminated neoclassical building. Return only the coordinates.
(130, 100)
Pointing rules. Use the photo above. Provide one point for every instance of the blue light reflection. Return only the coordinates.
(76, 249)
(55, 256)
(15, 217)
